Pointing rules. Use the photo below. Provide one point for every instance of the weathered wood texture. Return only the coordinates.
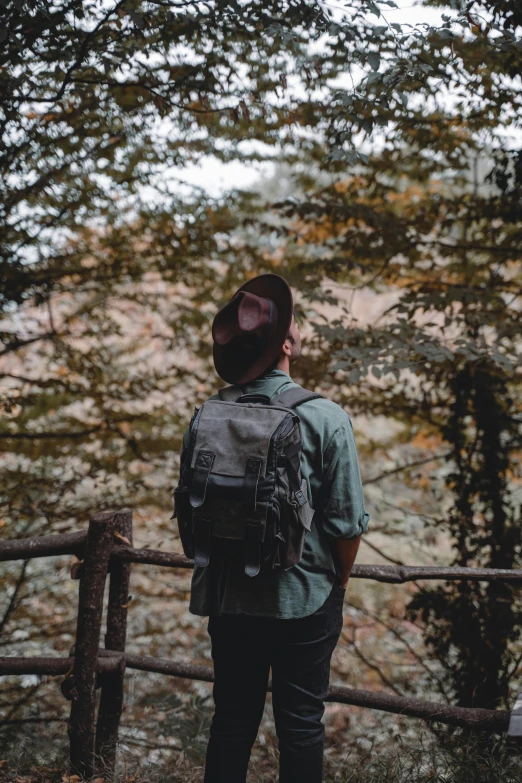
(467, 717)
(73, 543)
(54, 667)
(152, 557)
(486, 720)
(111, 698)
(401, 574)
(380, 573)
(90, 606)
(104, 553)
(44, 546)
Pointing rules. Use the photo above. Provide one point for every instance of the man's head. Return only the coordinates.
(256, 330)
(290, 350)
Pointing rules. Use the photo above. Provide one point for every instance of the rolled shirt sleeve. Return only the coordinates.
(344, 514)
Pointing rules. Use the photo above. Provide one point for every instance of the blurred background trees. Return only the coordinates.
(389, 195)
(435, 215)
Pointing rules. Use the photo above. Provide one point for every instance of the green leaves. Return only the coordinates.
(374, 60)
(111, 270)
(433, 220)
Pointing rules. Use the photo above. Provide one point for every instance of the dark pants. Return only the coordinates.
(299, 652)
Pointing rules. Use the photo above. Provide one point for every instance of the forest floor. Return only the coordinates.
(448, 758)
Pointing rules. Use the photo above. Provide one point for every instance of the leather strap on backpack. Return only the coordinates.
(287, 399)
(202, 529)
(252, 549)
(294, 397)
(252, 473)
(293, 478)
(261, 398)
(202, 468)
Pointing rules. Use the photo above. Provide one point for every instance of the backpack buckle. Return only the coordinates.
(300, 497)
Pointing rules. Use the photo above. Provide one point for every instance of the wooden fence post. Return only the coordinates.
(111, 699)
(100, 538)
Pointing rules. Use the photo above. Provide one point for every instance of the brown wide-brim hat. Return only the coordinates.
(250, 330)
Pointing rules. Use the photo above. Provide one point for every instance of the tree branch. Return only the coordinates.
(406, 467)
(12, 601)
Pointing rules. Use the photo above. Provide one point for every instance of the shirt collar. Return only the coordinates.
(276, 374)
(269, 383)
(272, 375)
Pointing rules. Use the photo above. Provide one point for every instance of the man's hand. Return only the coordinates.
(346, 551)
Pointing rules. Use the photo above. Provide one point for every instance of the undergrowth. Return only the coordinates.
(472, 761)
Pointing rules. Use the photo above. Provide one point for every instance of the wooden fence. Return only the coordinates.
(106, 549)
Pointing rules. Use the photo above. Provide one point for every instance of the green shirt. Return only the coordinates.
(331, 468)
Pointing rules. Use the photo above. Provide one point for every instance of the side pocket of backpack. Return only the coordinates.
(296, 520)
(182, 508)
(183, 513)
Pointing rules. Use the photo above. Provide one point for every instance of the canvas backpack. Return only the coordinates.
(240, 489)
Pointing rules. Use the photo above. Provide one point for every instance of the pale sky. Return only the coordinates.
(215, 177)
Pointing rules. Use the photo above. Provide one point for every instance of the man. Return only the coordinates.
(289, 621)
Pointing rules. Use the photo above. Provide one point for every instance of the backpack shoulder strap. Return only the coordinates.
(294, 397)
(230, 393)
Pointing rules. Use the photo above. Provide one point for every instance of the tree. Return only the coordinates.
(102, 99)
(102, 105)
(110, 270)
(111, 273)
(435, 215)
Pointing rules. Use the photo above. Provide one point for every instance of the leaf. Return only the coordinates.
(374, 60)
(373, 8)
(122, 538)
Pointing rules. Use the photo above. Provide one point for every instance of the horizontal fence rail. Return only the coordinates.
(465, 717)
(74, 543)
(44, 546)
(105, 549)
